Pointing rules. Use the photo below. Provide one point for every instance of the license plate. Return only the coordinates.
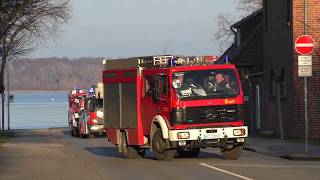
(211, 136)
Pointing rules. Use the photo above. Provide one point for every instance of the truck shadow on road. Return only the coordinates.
(104, 151)
(113, 152)
(68, 133)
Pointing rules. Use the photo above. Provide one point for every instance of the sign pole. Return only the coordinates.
(306, 124)
(8, 94)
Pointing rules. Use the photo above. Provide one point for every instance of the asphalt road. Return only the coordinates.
(54, 154)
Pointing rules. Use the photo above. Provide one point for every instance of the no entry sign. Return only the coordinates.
(304, 45)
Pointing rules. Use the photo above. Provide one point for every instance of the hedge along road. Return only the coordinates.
(54, 154)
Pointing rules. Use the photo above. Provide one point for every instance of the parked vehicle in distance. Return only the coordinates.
(173, 104)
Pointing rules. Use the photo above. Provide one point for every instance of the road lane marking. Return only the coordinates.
(265, 166)
(226, 172)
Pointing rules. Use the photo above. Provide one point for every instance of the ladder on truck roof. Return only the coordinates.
(158, 61)
(145, 62)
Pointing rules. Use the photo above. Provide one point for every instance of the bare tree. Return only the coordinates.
(225, 34)
(26, 24)
(249, 6)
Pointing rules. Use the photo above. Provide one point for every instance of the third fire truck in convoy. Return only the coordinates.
(173, 104)
(75, 98)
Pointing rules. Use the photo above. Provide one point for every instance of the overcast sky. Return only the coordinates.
(123, 28)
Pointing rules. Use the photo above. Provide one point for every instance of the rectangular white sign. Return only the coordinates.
(305, 60)
(304, 71)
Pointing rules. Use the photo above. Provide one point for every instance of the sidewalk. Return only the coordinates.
(282, 148)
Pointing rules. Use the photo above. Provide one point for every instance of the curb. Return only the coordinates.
(293, 157)
(251, 149)
(260, 151)
(302, 157)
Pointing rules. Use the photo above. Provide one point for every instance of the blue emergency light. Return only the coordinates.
(172, 62)
(91, 91)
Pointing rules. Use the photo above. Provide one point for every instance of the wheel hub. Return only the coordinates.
(159, 146)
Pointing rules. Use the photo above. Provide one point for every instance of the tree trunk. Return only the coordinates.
(2, 117)
(3, 65)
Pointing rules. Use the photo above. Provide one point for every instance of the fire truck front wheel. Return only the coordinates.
(130, 152)
(163, 149)
(232, 154)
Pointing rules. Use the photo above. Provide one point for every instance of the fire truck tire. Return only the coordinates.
(232, 154)
(163, 149)
(72, 131)
(75, 132)
(188, 153)
(84, 136)
(129, 152)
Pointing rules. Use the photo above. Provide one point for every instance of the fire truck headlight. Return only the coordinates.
(176, 83)
(239, 132)
(183, 135)
(95, 121)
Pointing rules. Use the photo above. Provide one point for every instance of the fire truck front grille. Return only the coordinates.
(207, 114)
(100, 121)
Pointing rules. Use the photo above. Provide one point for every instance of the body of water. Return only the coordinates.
(38, 110)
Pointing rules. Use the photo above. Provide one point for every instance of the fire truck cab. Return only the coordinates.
(173, 104)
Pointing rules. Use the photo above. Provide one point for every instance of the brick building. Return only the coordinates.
(264, 54)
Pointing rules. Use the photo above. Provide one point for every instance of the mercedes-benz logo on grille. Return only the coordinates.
(210, 114)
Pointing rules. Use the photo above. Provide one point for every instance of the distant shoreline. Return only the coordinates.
(39, 91)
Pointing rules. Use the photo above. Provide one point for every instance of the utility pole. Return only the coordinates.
(8, 94)
(2, 95)
(1, 46)
(306, 123)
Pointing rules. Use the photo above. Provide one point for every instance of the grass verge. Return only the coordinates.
(4, 137)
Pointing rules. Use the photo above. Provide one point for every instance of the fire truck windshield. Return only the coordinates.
(205, 84)
(96, 104)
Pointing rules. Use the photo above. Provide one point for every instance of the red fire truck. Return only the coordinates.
(74, 99)
(173, 104)
(91, 115)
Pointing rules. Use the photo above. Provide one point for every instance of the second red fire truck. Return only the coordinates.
(91, 115)
(173, 104)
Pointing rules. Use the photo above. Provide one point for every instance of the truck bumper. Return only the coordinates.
(97, 128)
(224, 133)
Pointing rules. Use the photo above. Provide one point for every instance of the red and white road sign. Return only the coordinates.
(304, 45)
